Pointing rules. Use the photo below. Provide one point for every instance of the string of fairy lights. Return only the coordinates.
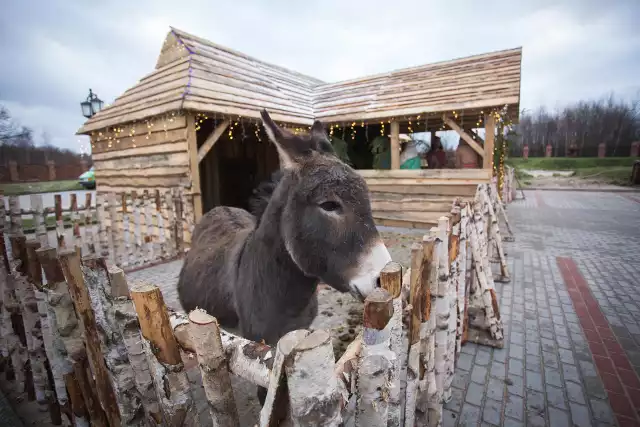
(240, 127)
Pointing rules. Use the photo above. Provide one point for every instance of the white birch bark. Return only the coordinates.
(462, 275)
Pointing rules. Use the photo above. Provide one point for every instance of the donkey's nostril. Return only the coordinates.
(378, 282)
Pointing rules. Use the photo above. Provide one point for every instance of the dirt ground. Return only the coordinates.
(550, 180)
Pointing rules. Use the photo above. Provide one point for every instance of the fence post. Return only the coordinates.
(376, 361)
(25, 301)
(205, 334)
(71, 266)
(391, 281)
(129, 327)
(39, 219)
(59, 221)
(75, 223)
(5, 330)
(88, 224)
(67, 346)
(163, 356)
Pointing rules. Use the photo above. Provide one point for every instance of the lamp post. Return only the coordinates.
(92, 105)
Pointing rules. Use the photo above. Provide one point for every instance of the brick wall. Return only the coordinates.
(14, 172)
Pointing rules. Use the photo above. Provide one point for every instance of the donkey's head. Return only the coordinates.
(325, 215)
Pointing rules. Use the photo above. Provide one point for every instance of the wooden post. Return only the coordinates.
(39, 219)
(4, 273)
(391, 281)
(127, 248)
(59, 221)
(276, 405)
(101, 217)
(179, 209)
(170, 224)
(28, 307)
(489, 140)
(395, 144)
(72, 269)
(205, 334)
(75, 222)
(66, 345)
(376, 361)
(137, 257)
(192, 141)
(15, 215)
(88, 224)
(116, 239)
(149, 228)
(163, 356)
(129, 327)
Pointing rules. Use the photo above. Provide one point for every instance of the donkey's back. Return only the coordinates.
(208, 274)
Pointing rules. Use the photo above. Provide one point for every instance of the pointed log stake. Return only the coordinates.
(70, 261)
(121, 374)
(129, 327)
(391, 281)
(67, 343)
(163, 356)
(216, 381)
(314, 396)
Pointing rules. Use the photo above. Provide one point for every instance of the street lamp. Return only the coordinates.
(91, 106)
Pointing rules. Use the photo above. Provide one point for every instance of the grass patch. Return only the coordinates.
(20, 188)
(571, 163)
(615, 175)
(28, 225)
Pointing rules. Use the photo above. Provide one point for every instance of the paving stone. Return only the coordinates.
(553, 377)
(535, 401)
(456, 399)
(465, 361)
(449, 418)
(555, 397)
(483, 357)
(570, 373)
(535, 419)
(479, 374)
(514, 407)
(534, 381)
(516, 367)
(475, 394)
(498, 370)
(558, 418)
(508, 422)
(515, 385)
(469, 416)
(492, 412)
(461, 379)
(575, 393)
(601, 410)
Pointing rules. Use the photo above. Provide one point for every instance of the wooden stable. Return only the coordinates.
(193, 123)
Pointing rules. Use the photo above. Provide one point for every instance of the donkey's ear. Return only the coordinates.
(290, 149)
(317, 130)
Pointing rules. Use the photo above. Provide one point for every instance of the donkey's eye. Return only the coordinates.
(330, 206)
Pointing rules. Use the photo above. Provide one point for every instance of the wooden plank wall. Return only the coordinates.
(417, 198)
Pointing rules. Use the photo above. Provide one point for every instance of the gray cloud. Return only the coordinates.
(54, 51)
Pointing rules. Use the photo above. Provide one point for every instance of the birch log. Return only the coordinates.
(416, 304)
(121, 374)
(163, 356)
(79, 292)
(129, 327)
(101, 216)
(276, 409)
(454, 271)
(376, 360)
(15, 215)
(461, 279)
(88, 224)
(216, 381)
(114, 231)
(391, 281)
(429, 278)
(127, 249)
(75, 224)
(39, 220)
(485, 280)
(59, 221)
(32, 323)
(28, 309)
(497, 241)
(5, 326)
(442, 310)
(67, 343)
(314, 395)
(137, 227)
(247, 359)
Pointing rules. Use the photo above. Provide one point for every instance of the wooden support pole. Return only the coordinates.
(88, 224)
(59, 221)
(395, 144)
(212, 139)
(71, 266)
(75, 223)
(216, 381)
(489, 140)
(194, 170)
(39, 219)
(464, 135)
(376, 361)
(163, 356)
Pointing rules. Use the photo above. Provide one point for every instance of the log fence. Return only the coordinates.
(109, 353)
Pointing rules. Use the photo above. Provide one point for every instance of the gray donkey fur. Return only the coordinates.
(259, 274)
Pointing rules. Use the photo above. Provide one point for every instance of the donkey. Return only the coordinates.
(259, 275)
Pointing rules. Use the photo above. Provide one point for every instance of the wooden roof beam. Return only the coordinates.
(212, 139)
(464, 135)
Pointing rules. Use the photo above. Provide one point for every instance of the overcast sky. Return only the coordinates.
(53, 51)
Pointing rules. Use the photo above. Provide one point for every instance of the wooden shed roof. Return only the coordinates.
(195, 74)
